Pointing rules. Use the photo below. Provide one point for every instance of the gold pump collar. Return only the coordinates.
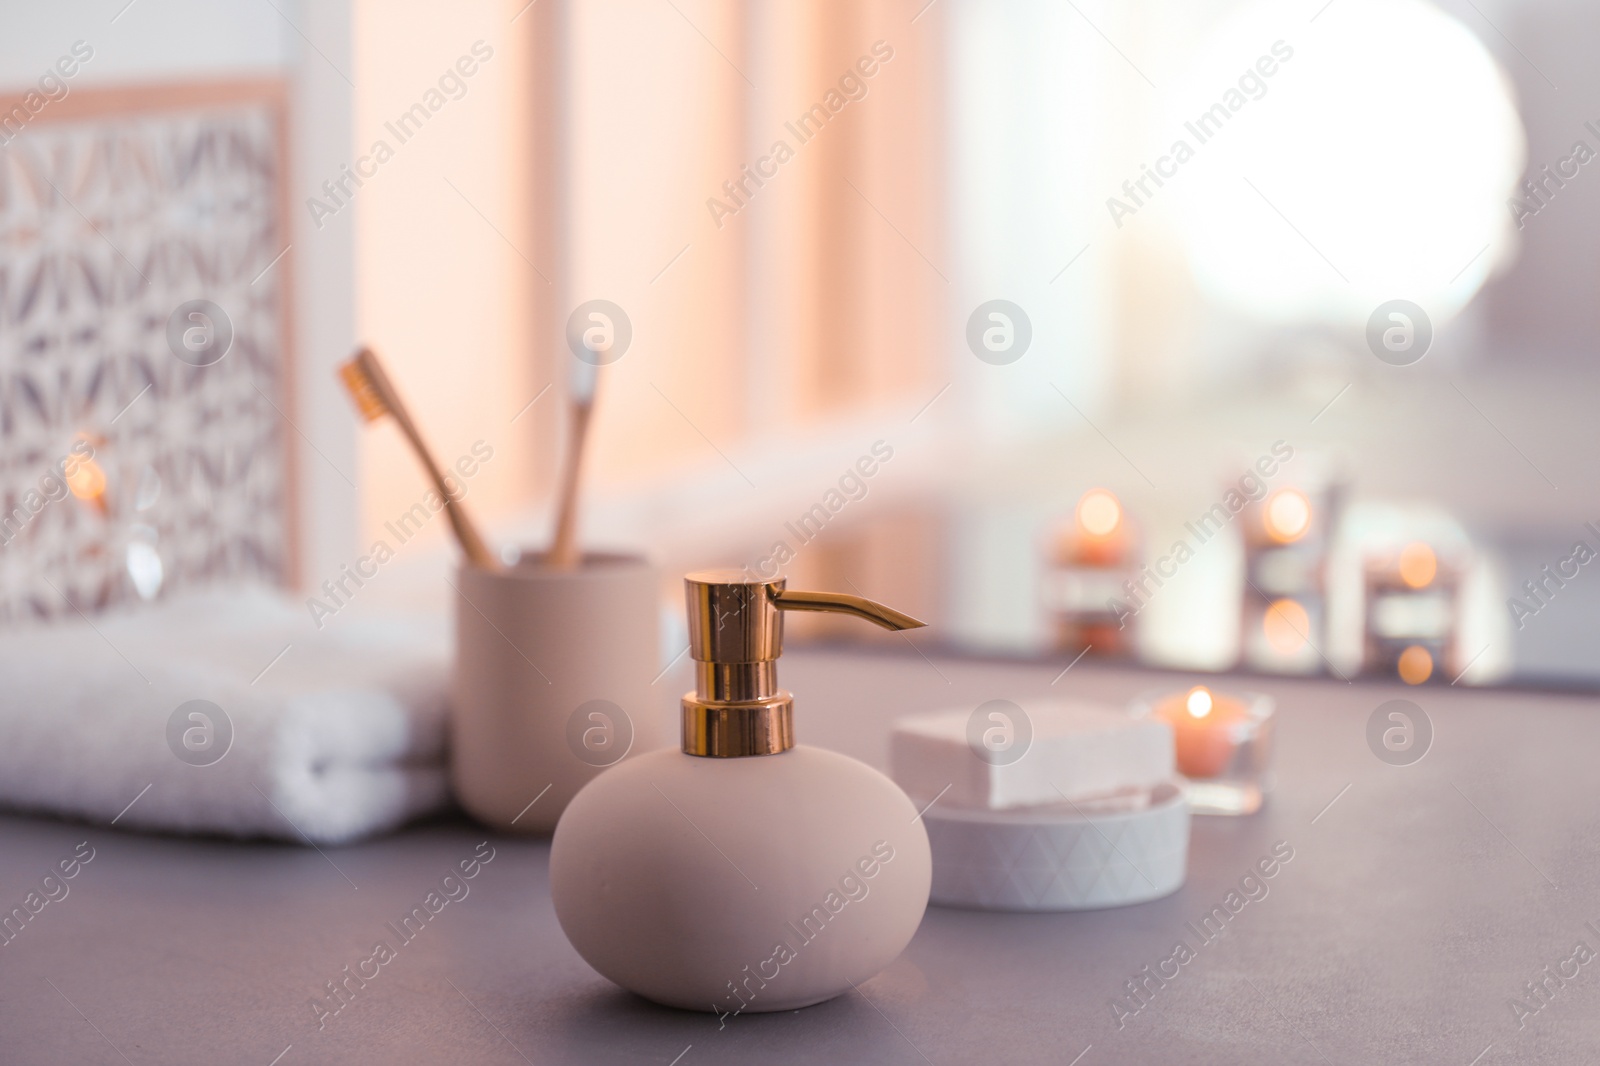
(735, 638)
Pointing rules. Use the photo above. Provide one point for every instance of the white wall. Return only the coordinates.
(150, 41)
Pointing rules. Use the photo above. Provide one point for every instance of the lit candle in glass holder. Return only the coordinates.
(1223, 745)
(1286, 537)
(1088, 562)
(1102, 533)
(1412, 609)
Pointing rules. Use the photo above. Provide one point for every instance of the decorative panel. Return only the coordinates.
(143, 350)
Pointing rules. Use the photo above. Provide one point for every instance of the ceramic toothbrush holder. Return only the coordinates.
(553, 683)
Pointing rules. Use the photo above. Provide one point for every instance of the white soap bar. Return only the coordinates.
(1068, 751)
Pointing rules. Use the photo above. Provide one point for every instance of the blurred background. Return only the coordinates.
(1212, 335)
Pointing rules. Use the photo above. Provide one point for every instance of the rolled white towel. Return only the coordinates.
(336, 733)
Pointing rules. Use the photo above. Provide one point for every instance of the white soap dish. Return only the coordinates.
(1059, 858)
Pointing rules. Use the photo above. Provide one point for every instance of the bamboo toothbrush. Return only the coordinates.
(374, 397)
(564, 553)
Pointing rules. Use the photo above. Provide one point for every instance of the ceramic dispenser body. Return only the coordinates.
(743, 873)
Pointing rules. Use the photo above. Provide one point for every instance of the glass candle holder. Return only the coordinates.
(1223, 745)
(1087, 563)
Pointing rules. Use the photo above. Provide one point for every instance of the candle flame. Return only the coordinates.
(1415, 665)
(1099, 513)
(1287, 627)
(1288, 515)
(88, 481)
(1199, 702)
(1418, 565)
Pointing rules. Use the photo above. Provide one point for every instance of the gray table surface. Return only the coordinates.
(1416, 907)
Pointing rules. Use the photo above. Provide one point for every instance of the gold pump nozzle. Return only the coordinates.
(840, 603)
(735, 638)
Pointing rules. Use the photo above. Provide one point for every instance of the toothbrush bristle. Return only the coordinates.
(356, 382)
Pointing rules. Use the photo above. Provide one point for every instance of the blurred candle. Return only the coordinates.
(1418, 565)
(1415, 665)
(1102, 536)
(1206, 729)
(1090, 559)
(1287, 515)
(1222, 743)
(1287, 626)
(1099, 513)
(87, 482)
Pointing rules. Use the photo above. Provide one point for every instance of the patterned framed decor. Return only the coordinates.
(146, 433)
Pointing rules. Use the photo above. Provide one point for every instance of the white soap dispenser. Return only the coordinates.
(744, 872)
